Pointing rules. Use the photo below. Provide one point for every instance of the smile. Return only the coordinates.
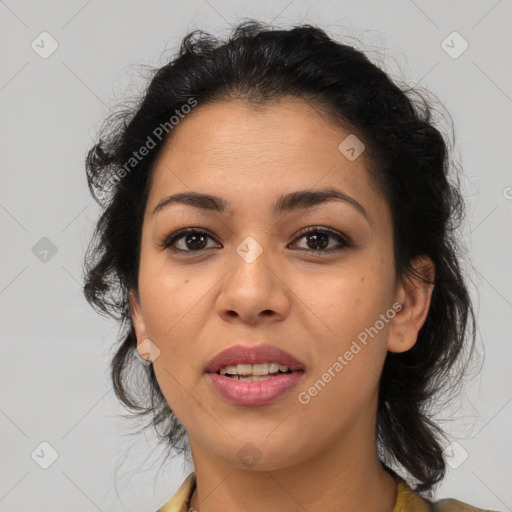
(253, 374)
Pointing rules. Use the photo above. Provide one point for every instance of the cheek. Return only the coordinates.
(355, 307)
(172, 311)
(170, 306)
(347, 299)
(345, 378)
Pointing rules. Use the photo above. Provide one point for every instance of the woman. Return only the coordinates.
(277, 240)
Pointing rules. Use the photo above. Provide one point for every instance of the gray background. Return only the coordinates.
(55, 386)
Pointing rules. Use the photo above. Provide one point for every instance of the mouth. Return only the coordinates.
(254, 374)
(253, 360)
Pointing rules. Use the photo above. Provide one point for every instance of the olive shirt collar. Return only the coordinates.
(407, 500)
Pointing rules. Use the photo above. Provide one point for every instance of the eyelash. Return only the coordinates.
(342, 239)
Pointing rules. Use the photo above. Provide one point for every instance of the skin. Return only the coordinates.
(315, 456)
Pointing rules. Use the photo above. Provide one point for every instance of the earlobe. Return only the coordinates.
(414, 294)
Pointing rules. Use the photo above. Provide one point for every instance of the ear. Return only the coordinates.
(414, 294)
(137, 319)
(146, 348)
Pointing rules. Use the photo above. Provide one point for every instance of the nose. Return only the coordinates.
(254, 290)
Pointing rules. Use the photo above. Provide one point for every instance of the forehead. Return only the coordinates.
(237, 131)
(244, 152)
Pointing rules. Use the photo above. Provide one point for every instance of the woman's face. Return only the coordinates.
(256, 278)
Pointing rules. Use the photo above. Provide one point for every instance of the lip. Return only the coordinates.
(253, 354)
(263, 392)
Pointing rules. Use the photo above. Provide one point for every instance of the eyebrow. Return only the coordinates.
(300, 199)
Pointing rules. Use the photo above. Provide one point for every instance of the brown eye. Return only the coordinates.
(196, 241)
(317, 239)
(193, 240)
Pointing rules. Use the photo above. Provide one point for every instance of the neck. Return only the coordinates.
(346, 476)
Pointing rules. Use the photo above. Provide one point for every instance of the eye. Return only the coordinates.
(318, 239)
(194, 240)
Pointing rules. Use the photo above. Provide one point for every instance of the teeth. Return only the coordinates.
(259, 369)
(273, 367)
(244, 369)
(252, 378)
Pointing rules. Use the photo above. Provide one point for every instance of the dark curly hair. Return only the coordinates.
(409, 160)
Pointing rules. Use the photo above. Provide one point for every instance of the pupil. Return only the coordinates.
(194, 238)
(315, 237)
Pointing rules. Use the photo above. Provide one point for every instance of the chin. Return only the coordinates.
(261, 453)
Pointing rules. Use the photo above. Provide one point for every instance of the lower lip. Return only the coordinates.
(262, 392)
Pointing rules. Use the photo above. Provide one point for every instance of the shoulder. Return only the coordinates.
(179, 502)
(451, 505)
(408, 500)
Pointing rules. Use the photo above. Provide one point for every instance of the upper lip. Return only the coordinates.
(253, 354)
